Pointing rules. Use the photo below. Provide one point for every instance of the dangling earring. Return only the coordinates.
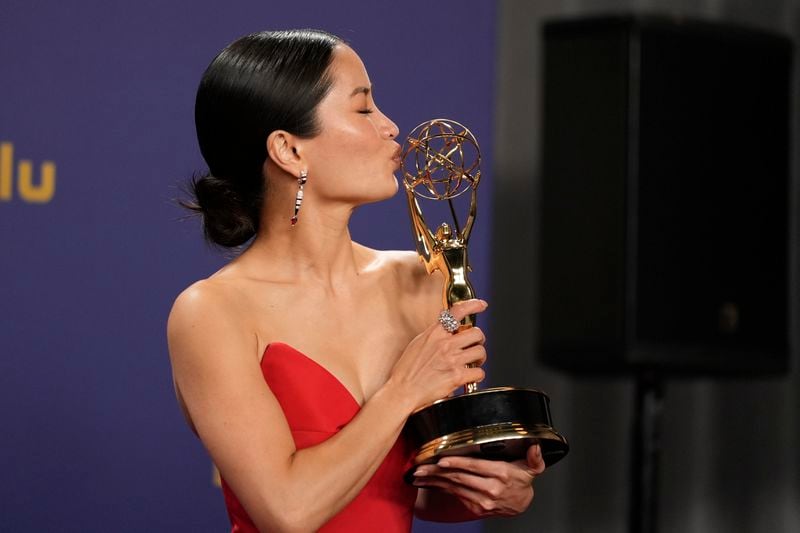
(298, 200)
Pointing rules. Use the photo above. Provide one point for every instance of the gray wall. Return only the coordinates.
(730, 460)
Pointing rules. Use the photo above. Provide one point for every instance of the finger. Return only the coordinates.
(472, 375)
(468, 337)
(468, 307)
(535, 459)
(501, 470)
(461, 478)
(475, 355)
(476, 501)
(479, 474)
(490, 494)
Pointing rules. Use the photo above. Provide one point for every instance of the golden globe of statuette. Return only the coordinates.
(446, 160)
(441, 161)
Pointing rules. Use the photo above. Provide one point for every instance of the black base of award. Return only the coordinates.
(499, 423)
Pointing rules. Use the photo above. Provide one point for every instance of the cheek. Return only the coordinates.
(356, 150)
(346, 143)
(351, 151)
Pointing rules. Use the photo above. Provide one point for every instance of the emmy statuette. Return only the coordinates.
(441, 161)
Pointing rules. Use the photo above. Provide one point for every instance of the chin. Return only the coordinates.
(386, 190)
(393, 188)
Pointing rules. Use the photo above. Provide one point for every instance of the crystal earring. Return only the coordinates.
(298, 200)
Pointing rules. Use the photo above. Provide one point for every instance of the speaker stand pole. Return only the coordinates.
(646, 453)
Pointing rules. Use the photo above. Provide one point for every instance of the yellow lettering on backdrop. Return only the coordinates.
(6, 158)
(44, 191)
(28, 191)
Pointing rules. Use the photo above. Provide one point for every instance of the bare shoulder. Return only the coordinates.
(404, 268)
(203, 313)
(203, 298)
(410, 268)
(406, 276)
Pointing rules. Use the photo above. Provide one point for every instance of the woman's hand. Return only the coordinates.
(434, 364)
(485, 488)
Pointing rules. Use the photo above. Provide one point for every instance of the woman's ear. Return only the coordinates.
(282, 150)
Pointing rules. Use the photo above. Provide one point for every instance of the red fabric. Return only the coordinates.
(317, 405)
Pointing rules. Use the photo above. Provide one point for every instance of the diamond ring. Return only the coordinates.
(448, 321)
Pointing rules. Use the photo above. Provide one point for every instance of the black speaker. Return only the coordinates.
(665, 197)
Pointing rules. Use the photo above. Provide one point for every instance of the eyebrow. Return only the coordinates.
(360, 90)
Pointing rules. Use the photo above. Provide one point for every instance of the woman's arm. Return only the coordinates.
(239, 420)
(462, 488)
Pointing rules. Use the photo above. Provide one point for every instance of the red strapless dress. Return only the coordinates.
(317, 405)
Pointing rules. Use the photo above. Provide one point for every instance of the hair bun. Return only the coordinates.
(228, 219)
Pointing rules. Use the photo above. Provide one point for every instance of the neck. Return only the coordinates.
(318, 249)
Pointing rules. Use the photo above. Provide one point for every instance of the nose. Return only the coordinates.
(390, 128)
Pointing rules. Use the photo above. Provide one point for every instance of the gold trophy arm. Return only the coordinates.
(457, 286)
(423, 237)
(473, 210)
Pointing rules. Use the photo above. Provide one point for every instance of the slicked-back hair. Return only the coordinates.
(263, 82)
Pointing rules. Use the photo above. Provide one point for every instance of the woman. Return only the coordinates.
(298, 363)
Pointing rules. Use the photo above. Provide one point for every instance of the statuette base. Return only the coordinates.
(499, 423)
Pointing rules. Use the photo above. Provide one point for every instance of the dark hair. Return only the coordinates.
(260, 83)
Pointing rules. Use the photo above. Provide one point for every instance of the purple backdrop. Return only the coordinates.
(91, 437)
